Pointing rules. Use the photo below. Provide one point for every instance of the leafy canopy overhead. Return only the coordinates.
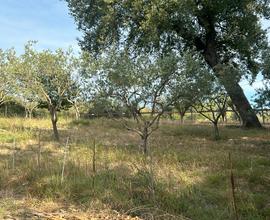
(234, 26)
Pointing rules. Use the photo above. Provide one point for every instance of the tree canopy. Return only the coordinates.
(48, 77)
(227, 33)
(234, 25)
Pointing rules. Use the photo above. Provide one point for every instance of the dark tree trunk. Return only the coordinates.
(144, 137)
(247, 114)
(216, 131)
(234, 90)
(6, 110)
(224, 117)
(54, 120)
(209, 49)
(144, 145)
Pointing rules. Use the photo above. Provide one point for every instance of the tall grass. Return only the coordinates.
(187, 176)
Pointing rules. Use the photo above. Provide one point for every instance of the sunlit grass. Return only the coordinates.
(188, 173)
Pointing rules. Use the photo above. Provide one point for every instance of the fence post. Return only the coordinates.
(39, 150)
(233, 188)
(13, 154)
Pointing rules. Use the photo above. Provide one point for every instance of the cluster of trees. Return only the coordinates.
(225, 38)
(227, 34)
(154, 55)
(262, 99)
(117, 81)
(144, 87)
(39, 79)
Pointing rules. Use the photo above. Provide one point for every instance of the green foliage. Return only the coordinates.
(50, 75)
(163, 25)
(149, 82)
(145, 86)
(7, 63)
(43, 79)
(262, 99)
(228, 34)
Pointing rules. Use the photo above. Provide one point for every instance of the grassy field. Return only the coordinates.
(186, 176)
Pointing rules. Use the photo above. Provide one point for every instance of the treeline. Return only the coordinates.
(227, 35)
(114, 82)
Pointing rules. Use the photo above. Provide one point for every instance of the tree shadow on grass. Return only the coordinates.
(123, 187)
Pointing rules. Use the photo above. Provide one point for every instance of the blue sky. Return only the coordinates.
(46, 21)
(49, 22)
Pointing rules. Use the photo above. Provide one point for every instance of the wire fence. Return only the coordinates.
(191, 115)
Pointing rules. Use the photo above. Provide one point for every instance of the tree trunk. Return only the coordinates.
(182, 117)
(224, 118)
(210, 52)
(26, 112)
(236, 114)
(54, 120)
(247, 114)
(6, 110)
(77, 112)
(144, 144)
(234, 90)
(30, 113)
(216, 131)
(144, 137)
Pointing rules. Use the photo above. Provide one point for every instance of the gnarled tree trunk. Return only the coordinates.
(247, 114)
(234, 90)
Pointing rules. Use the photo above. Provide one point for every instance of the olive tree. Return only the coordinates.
(212, 106)
(140, 85)
(182, 106)
(262, 97)
(262, 102)
(147, 85)
(49, 75)
(28, 99)
(7, 67)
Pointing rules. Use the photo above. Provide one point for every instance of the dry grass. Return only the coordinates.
(187, 176)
